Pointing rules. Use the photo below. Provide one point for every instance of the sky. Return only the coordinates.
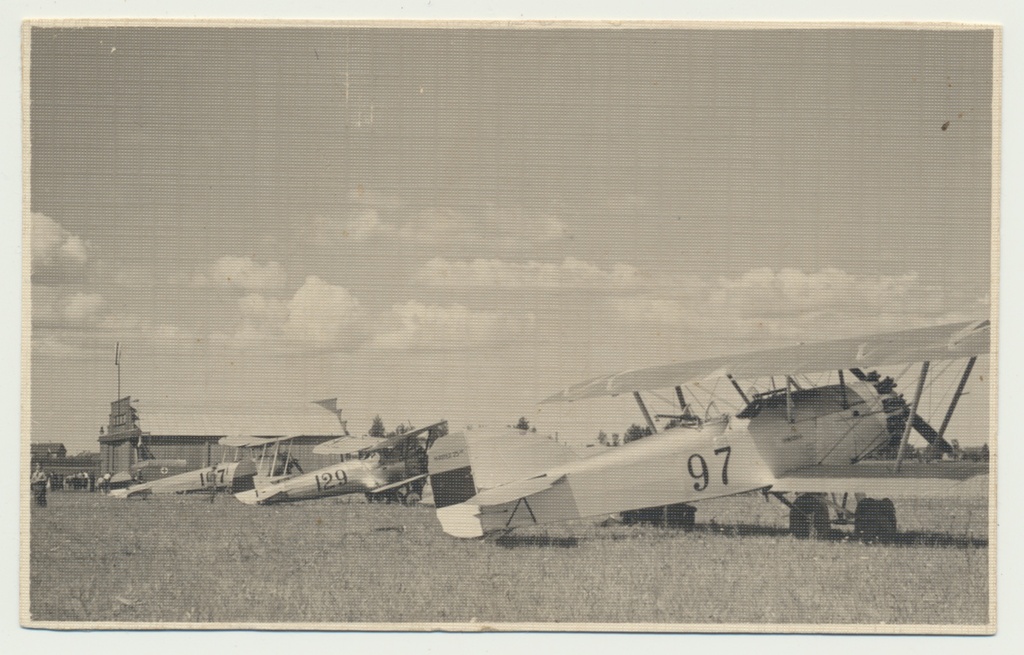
(433, 223)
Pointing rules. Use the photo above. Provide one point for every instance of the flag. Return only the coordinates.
(330, 404)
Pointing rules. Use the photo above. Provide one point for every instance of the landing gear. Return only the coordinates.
(875, 519)
(408, 494)
(809, 516)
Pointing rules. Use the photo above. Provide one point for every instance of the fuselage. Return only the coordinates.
(776, 434)
(225, 476)
(348, 477)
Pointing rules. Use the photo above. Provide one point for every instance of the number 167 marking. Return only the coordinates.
(697, 467)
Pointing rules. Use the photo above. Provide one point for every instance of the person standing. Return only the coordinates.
(38, 485)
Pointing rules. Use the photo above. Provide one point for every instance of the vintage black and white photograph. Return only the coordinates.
(570, 326)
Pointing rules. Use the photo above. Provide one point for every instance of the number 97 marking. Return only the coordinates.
(697, 467)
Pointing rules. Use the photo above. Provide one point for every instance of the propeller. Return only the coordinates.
(920, 425)
(930, 434)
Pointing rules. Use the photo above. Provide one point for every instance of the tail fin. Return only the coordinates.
(451, 476)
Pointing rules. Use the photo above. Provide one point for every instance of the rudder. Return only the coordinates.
(451, 475)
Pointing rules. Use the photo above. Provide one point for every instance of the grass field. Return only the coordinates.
(190, 560)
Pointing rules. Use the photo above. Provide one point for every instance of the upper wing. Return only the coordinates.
(349, 445)
(949, 341)
(243, 441)
(346, 445)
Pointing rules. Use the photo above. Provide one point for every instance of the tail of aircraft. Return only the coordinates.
(450, 471)
(461, 464)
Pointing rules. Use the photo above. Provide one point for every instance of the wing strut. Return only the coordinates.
(956, 397)
(911, 416)
(647, 415)
(842, 390)
(789, 400)
(739, 390)
(273, 462)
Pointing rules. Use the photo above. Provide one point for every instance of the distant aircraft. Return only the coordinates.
(233, 477)
(803, 439)
(389, 469)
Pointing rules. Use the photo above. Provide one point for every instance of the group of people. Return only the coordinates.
(40, 482)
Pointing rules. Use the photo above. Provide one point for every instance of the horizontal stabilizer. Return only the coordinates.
(514, 491)
(134, 491)
(256, 497)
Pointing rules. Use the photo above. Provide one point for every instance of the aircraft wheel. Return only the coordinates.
(401, 493)
(875, 519)
(808, 517)
(413, 499)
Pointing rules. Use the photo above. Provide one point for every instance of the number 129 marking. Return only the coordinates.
(325, 480)
(697, 467)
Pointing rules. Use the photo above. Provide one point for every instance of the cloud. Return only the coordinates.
(570, 273)
(57, 255)
(322, 314)
(244, 273)
(51, 242)
(415, 223)
(258, 307)
(766, 291)
(73, 249)
(793, 304)
(436, 327)
(261, 317)
(365, 223)
(318, 314)
(83, 308)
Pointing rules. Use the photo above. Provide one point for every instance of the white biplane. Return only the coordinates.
(807, 440)
(392, 469)
(234, 476)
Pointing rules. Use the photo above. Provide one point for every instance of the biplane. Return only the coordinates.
(232, 477)
(160, 475)
(391, 469)
(798, 441)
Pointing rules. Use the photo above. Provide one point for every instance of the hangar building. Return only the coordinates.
(124, 445)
